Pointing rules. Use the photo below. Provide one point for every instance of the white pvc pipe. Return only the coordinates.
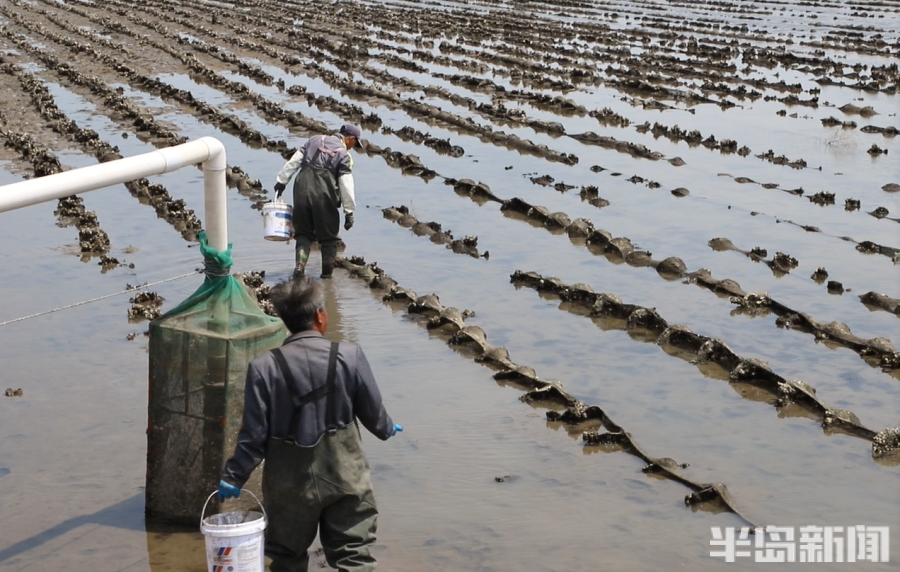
(207, 150)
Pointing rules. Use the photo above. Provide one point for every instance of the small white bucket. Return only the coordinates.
(234, 540)
(277, 220)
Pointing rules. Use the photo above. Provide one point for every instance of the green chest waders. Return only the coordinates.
(324, 488)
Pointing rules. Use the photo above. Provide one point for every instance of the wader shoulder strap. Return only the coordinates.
(331, 402)
(314, 395)
(295, 397)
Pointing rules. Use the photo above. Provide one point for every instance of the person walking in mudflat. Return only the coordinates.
(301, 404)
(323, 185)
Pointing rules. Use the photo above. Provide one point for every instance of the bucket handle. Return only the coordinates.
(214, 493)
(275, 201)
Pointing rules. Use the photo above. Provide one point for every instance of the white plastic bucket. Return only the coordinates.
(277, 220)
(234, 540)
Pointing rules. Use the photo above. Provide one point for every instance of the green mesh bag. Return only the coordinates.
(199, 353)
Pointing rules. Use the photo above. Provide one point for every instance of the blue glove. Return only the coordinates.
(397, 429)
(228, 491)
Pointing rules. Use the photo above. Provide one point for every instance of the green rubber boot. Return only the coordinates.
(301, 257)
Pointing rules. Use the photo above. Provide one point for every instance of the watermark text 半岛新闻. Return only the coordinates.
(857, 543)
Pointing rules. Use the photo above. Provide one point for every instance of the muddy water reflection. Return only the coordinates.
(72, 448)
(442, 507)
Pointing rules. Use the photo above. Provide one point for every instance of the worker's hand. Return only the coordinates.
(396, 429)
(348, 221)
(228, 491)
(279, 188)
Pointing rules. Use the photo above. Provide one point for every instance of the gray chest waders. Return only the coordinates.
(316, 217)
(317, 198)
(327, 485)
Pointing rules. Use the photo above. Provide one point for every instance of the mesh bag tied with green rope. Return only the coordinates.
(199, 353)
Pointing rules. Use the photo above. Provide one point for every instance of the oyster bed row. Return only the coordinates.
(449, 84)
(451, 322)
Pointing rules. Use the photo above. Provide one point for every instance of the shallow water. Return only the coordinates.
(72, 449)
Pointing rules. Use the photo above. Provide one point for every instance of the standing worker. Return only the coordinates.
(301, 403)
(324, 184)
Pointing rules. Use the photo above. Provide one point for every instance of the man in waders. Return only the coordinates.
(301, 403)
(324, 184)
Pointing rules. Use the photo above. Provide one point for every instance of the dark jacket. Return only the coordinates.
(268, 406)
